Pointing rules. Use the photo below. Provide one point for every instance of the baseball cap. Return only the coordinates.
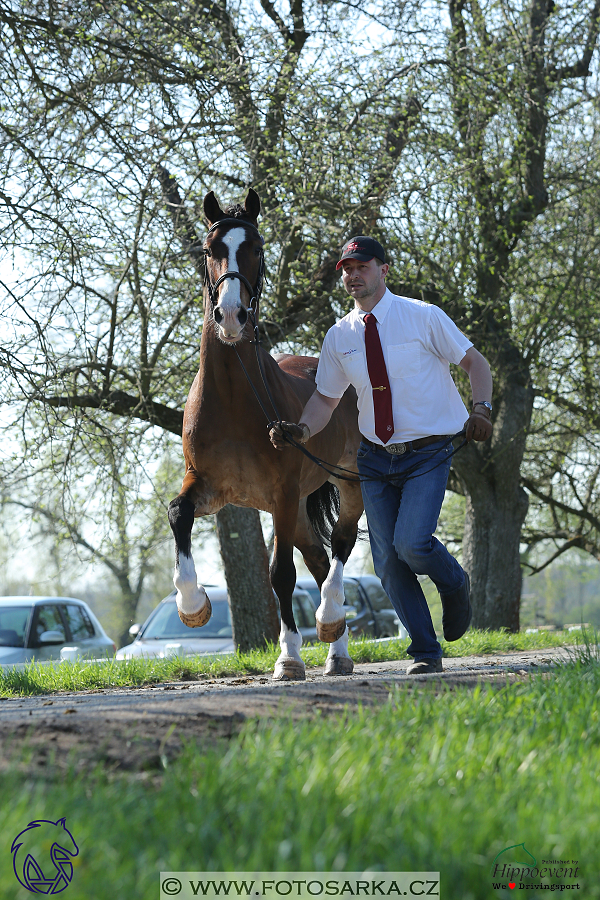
(362, 248)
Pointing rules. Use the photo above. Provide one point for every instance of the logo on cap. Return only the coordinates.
(352, 246)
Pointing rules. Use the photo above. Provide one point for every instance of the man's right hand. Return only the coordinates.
(300, 433)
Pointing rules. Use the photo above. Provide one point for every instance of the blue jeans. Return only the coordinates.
(401, 522)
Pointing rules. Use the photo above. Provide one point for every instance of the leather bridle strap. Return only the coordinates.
(254, 292)
(243, 222)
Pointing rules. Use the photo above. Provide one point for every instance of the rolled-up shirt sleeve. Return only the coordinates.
(446, 340)
(332, 381)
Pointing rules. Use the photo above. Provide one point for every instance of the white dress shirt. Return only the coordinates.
(418, 342)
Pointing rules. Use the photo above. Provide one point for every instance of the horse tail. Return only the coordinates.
(323, 511)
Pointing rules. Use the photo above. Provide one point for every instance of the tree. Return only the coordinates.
(454, 147)
(504, 82)
(98, 496)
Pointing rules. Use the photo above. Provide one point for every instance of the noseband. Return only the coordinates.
(254, 292)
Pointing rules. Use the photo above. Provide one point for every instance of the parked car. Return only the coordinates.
(39, 628)
(369, 610)
(164, 634)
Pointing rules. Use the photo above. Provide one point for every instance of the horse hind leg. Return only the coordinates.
(330, 614)
(193, 604)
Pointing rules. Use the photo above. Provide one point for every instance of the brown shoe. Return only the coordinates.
(456, 611)
(425, 667)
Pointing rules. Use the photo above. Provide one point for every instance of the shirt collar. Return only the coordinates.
(380, 310)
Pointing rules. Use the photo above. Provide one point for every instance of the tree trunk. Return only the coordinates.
(491, 554)
(496, 504)
(129, 603)
(251, 599)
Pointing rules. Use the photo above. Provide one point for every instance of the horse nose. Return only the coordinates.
(242, 315)
(218, 314)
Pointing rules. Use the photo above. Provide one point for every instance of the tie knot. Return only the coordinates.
(370, 319)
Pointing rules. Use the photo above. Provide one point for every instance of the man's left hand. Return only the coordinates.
(478, 426)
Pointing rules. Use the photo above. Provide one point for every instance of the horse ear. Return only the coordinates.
(212, 210)
(62, 822)
(252, 204)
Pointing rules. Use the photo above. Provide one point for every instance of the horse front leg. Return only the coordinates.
(193, 604)
(290, 665)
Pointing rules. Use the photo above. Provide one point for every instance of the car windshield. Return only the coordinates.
(13, 622)
(166, 623)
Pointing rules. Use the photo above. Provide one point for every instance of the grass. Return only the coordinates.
(431, 781)
(78, 676)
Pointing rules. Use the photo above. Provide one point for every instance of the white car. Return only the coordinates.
(164, 634)
(45, 628)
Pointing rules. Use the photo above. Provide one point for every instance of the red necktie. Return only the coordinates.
(382, 394)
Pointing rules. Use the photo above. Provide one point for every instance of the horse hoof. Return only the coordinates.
(330, 631)
(338, 665)
(289, 670)
(196, 620)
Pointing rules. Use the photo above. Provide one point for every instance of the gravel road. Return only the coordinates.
(131, 729)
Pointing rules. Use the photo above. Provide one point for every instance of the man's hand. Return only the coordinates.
(478, 426)
(299, 432)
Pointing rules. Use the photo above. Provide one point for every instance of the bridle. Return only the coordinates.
(336, 471)
(254, 292)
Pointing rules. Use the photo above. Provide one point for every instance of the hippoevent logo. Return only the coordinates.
(515, 869)
(42, 855)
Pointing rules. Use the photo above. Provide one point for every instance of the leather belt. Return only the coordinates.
(399, 449)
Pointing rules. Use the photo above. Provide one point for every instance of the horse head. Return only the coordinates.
(234, 264)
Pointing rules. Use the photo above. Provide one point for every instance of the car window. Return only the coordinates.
(13, 624)
(315, 593)
(307, 608)
(378, 597)
(47, 618)
(80, 624)
(303, 609)
(352, 595)
(166, 624)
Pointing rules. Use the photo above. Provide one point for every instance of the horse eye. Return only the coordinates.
(257, 251)
(207, 251)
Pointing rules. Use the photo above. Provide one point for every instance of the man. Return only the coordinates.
(395, 351)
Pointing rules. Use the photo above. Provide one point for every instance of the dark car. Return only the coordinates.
(369, 609)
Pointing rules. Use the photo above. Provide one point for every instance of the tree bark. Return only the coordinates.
(251, 598)
(496, 504)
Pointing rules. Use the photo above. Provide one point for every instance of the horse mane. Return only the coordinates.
(237, 211)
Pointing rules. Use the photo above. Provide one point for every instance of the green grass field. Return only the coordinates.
(431, 781)
(36, 679)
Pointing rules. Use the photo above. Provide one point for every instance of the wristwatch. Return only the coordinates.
(485, 403)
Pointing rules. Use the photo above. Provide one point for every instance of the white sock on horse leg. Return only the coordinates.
(191, 598)
(290, 642)
(340, 647)
(332, 595)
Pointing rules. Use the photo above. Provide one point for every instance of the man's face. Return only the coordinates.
(364, 280)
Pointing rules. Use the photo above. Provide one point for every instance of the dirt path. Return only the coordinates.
(132, 728)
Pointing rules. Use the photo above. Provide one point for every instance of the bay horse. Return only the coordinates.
(229, 457)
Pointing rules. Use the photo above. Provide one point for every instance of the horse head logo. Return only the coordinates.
(51, 870)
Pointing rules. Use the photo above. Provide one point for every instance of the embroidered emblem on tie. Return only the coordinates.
(378, 376)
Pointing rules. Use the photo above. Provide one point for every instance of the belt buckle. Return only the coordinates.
(396, 449)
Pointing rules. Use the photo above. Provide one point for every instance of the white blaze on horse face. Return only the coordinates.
(190, 598)
(332, 595)
(230, 298)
